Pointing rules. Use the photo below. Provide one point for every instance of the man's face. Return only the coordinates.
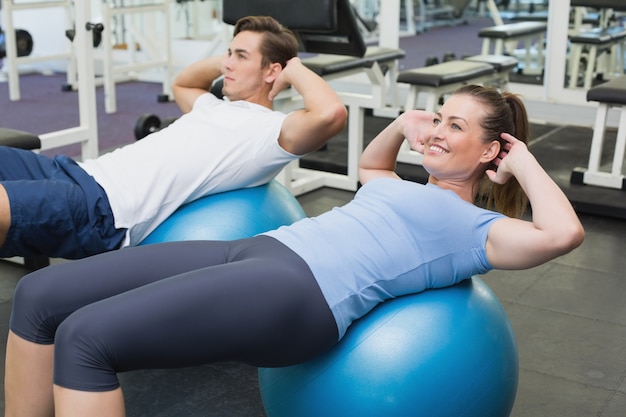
(243, 75)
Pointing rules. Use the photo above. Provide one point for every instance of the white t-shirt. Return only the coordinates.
(218, 146)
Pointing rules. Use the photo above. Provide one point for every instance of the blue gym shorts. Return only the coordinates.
(57, 209)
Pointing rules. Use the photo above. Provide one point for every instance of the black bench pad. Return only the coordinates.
(445, 73)
(542, 16)
(613, 91)
(19, 139)
(500, 63)
(618, 5)
(512, 30)
(600, 36)
(327, 64)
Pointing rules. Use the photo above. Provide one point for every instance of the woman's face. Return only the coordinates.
(455, 150)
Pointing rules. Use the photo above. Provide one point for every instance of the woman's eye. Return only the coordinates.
(455, 126)
(436, 121)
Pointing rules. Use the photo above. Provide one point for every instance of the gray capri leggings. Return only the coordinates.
(174, 305)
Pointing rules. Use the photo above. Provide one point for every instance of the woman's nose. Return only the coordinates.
(437, 130)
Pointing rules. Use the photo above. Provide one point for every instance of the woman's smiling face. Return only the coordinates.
(456, 148)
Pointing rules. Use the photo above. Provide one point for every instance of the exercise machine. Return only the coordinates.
(146, 25)
(16, 58)
(328, 30)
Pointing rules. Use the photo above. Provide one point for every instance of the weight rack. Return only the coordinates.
(13, 61)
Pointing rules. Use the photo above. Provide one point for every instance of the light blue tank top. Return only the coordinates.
(395, 238)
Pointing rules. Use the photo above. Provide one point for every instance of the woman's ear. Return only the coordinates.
(491, 151)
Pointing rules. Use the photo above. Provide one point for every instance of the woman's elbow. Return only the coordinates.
(579, 236)
(572, 238)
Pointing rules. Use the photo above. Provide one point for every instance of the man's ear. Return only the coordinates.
(491, 151)
(272, 72)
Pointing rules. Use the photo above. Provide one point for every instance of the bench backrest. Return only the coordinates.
(319, 15)
(600, 4)
(322, 26)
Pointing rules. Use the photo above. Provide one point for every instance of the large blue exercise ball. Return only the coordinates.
(446, 352)
(230, 215)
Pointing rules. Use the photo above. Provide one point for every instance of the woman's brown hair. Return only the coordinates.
(505, 113)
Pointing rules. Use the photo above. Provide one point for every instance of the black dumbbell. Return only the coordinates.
(96, 28)
(146, 124)
(450, 56)
(23, 40)
(149, 123)
(431, 60)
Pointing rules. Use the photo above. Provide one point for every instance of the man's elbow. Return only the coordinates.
(336, 117)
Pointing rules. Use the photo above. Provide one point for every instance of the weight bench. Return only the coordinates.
(28, 141)
(329, 65)
(439, 80)
(379, 65)
(608, 42)
(436, 81)
(608, 95)
(542, 16)
(333, 47)
(19, 139)
(497, 38)
(502, 65)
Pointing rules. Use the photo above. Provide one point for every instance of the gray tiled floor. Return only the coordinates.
(570, 322)
(569, 318)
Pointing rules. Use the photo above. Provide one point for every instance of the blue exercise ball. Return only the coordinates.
(230, 215)
(445, 352)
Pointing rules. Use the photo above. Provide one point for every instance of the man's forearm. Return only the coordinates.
(200, 74)
(195, 80)
(317, 94)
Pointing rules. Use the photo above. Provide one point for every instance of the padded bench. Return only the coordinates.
(436, 81)
(497, 38)
(19, 139)
(502, 65)
(608, 95)
(600, 42)
(328, 65)
(542, 16)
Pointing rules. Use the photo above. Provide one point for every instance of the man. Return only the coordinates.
(61, 208)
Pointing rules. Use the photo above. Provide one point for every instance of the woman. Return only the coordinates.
(287, 295)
